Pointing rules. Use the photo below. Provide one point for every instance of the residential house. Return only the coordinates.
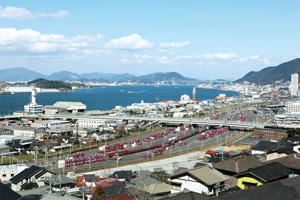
(201, 180)
(291, 161)
(89, 179)
(233, 166)
(153, 187)
(31, 177)
(60, 181)
(278, 190)
(124, 175)
(263, 174)
(264, 147)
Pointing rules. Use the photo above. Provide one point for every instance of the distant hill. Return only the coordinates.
(271, 74)
(43, 83)
(159, 76)
(64, 75)
(19, 74)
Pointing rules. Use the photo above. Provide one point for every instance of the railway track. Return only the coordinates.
(226, 141)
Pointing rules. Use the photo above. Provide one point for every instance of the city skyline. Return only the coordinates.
(198, 39)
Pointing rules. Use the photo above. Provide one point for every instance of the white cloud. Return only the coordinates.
(174, 44)
(131, 42)
(208, 56)
(252, 59)
(245, 59)
(60, 14)
(15, 13)
(27, 41)
(164, 60)
(219, 56)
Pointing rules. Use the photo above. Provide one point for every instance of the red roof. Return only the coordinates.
(210, 152)
(79, 183)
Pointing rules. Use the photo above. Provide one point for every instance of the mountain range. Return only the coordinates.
(18, 74)
(269, 75)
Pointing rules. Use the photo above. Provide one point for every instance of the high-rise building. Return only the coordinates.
(294, 84)
(194, 94)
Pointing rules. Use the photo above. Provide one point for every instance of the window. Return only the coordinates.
(176, 186)
(3, 175)
(12, 175)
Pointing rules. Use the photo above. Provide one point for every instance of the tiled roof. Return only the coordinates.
(90, 177)
(206, 175)
(26, 173)
(279, 190)
(126, 174)
(8, 194)
(190, 195)
(238, 164)
(114, 190)
(269, 172)
(265, 146)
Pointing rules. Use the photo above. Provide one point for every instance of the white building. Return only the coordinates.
(9, 171)
(293, 107)
(185, 98)
(51, 124)
(95, 123)
(294, 85)
(26, 131)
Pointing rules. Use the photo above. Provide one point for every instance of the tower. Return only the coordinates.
(33, 107)
(194, 94)
(294, 84)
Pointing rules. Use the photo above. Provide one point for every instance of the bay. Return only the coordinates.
(108, 97)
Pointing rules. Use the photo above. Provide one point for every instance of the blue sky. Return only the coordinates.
(199, 39)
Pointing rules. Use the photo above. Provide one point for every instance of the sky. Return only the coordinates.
(203, 39)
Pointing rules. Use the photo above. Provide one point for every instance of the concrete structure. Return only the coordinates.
(33, 107)
(9, 171)
(294, 85)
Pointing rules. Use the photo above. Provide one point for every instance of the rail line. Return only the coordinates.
(225, 141)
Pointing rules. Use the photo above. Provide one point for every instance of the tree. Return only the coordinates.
(99, 192)
(160, 174)
(293, 132)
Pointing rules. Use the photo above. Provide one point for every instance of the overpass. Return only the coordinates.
(158, 119)
(165, 120)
